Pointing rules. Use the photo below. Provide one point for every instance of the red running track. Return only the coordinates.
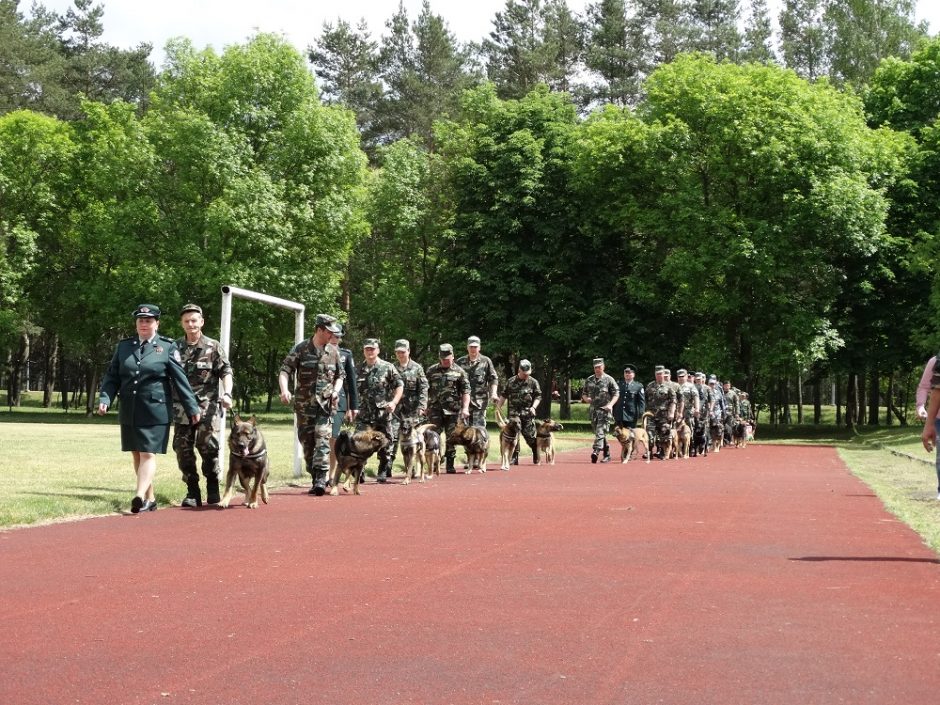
(764, 575)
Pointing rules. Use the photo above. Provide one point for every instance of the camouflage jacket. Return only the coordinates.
(705, 397)
(205, 364)
(745, 407)
(688, 394)
(315, 372)
(522, 394)
(660, 396)
(482, 376)
(415, 396)
(732, 402)
(376, 385)
(446, 387)
(601, 391)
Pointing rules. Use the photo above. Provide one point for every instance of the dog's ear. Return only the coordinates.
(235, 420)
(253, 420)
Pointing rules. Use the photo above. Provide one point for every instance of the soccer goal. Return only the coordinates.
(225, 338)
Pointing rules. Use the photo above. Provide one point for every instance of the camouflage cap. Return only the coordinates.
(712, 378)
(191, 308)
(681, 372)
(324, 320)
(700, 375)
(446, 350)
(630, 368)
(667, 371)
(658, 368)
(525, 365)
(147, 311)
(598, 361)
(370, 343)
(402, 344)
(473, 340)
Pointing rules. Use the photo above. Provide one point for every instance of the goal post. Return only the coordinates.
(225, 338)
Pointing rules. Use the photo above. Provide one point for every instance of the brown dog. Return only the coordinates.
(631, 440)
(248, 461)
(352, 452)
(475, 440)
(545, 440)
(432, 450)
(411, 441)
(509, 431)
(684, 439)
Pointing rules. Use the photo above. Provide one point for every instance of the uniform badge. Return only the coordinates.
(158, 349)
(176, 356)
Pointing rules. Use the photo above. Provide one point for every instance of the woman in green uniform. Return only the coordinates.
(141, 372)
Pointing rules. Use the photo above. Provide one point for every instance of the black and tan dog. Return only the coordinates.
(741, 432)
(432, 450)
(248, 461)
(352, 452)
(509, 431)
(414, 453)
(717, 428)
(545, 440)
(700, 439)
(633, 440)
(475, 440)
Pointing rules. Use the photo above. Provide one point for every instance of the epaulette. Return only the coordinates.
(169, 340)
(130, 337)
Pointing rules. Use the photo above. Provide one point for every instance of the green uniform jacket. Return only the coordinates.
(143, 382)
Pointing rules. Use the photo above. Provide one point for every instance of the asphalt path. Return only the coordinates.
(759, 575)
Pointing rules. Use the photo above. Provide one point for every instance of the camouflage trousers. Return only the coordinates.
(187, 439)
(600, 424)
(445, 424)
(478, 416)
(314, 433)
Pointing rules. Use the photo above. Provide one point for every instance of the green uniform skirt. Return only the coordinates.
(145, 439)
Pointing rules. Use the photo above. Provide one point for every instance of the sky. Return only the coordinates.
(219, 23)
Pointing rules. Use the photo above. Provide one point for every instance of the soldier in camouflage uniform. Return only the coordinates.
(745, 407)
(689, 408)
(663, 400)
(523, 393)
(413, 407)
(732, 409)
(483, 381)
(206, 367)
(380, 389)
(316, 365)
(601, 392)
(448, 398)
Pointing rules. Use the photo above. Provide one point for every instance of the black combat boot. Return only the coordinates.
(535, 456)
(319, 483)
(593, 456)
(193, 496)
(606, 458)
(212, 489)
(382, 474)
(515, 457)
(449, 465)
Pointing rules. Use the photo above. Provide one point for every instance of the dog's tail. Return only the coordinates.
(343, 444)
(500, 419)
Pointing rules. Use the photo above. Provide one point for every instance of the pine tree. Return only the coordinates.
(758, 35)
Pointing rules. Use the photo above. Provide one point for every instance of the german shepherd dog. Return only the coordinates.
(509, 431)
(352, 452)
(717, 429)
(684, 437)
(630, 440)
(739, 433)
(728, 438)
(248, 461)
(545, 440)
(475, 440)
(415, 453)
(432, 450)
(700, 439)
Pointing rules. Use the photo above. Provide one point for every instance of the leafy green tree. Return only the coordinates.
(866, 31)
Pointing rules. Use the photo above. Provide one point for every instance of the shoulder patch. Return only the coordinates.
(176, 355)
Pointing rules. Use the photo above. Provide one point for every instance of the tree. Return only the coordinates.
(666, 26)
(804, 42)
(713, 28)
(866, 31)
(564, 45)
(613, 50)
(346, 62)
(758, 35)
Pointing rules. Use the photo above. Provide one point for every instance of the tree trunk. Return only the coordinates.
(565, 403)
(50, 367)
(799, 397)
(889, 400)
(817, 400)
(838, 387)
(786, 417)
(17, 361)
(861, 389)
(851, 400)
(874, 398)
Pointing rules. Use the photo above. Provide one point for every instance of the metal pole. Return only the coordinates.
(228, 292)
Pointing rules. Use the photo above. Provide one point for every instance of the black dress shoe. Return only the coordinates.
(136, 505)
(149, 505)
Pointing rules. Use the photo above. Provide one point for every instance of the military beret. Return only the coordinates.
(446, 350)
(191, 308)
(658, 368)
(525, 365)
(681, 373)
(147, 311)
(630, 368)
(329, 322)
(473, 340)
(370, 343)
(402, 344)
(598, 361)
